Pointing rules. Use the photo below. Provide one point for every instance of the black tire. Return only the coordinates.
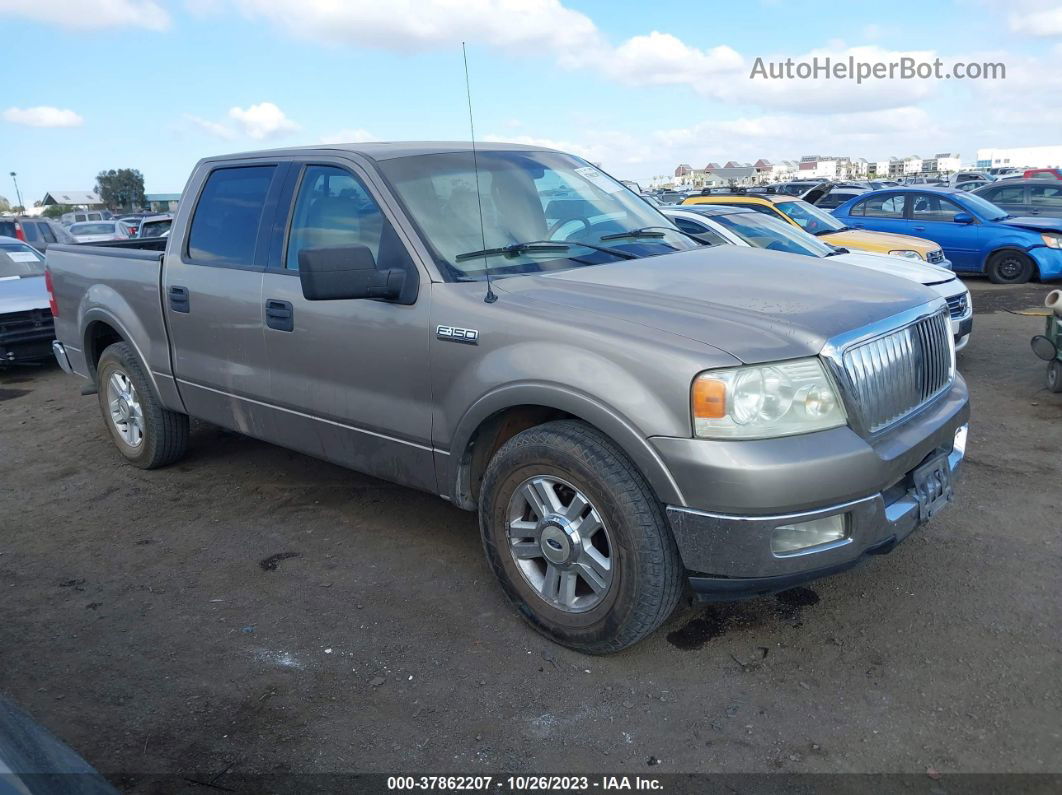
(648, 576)
(1010, 267)
(1054, 376)
(164, 434)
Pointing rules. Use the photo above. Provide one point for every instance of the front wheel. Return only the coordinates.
(145, 433)
(577, 539)
(1010, 267)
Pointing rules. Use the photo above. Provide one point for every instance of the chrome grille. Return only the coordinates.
(957, 305)
(936, 255)
(894, 375)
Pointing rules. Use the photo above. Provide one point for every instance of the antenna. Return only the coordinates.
(490, 297)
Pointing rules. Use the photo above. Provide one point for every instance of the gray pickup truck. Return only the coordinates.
(512, 329)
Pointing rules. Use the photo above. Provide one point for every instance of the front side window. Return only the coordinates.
(335, 209)
(1010, 195)
(707, 235)
(928, 207)
(225, 225)
(524, 197)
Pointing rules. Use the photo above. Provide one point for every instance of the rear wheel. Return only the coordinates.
(1054, 376)
(577, 539)
(1010, 267)
(148, 435)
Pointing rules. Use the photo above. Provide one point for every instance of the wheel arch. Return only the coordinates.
(1011, 246)
(498, 416)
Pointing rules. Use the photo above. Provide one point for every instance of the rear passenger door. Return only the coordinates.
(212, 296)
(349, 377)
(1011, 198)
(1046, 200)
(884, 213)
(933, 217)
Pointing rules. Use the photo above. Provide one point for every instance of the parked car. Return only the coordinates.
(969, 176)
(976, 235)
(155, 226)
(98, 231)
(80, 216)
(26, 327)
(1025, 197)
(819, 222)
(798, 187)
(1037, 173)
(837, 196)
(628, 410)
(973, 184)
(1002, 171)
(38, 232)
(743, 227)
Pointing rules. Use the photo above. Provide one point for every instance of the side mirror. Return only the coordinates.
(344, 272)
(963, 218)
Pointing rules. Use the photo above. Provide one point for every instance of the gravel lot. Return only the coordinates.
(252, 610)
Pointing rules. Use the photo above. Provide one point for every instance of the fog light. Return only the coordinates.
(790, 538)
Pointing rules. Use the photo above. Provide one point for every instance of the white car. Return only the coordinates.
(718, 224)
(98, 231)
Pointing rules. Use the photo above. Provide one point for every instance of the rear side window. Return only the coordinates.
(881, 207)
(1046, 196)
(1010, 195)
(29, 229)
(47, 233)
(7, 228)
(225, 225)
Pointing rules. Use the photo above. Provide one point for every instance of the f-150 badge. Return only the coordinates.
(469, 336)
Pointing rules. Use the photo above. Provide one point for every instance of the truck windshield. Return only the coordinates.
(526, 196)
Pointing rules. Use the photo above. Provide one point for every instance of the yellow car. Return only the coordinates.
(821, 224)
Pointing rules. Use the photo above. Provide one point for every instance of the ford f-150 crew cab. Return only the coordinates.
(514, 330)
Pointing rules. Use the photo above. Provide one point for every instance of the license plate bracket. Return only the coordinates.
(931, 486)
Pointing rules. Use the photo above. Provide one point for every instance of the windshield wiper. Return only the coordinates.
(837, 251)
(649, 231)
(533, 246)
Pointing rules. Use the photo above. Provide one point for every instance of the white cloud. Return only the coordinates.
(43, 116)
(90, 14)
(213, 128)
(426, 24)
(349, 136)
(1042, 21)
(663, 59)
(264, 120)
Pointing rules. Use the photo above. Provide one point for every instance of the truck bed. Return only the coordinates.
(115, 284)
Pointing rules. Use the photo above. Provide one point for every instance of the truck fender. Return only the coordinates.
(562, 399)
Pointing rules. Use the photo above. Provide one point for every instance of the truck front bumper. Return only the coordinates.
(728, 553)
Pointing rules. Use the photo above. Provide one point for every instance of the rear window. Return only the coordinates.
(225, 225)
(7, 228)
(100, 228)
(155, 228)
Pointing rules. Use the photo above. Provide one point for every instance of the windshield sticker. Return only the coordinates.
(603, 181)
(22, 256)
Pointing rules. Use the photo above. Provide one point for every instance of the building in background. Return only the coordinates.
(1021, 157)
(162, 202)
(75, 198)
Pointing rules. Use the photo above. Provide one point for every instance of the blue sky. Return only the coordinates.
(635, 86)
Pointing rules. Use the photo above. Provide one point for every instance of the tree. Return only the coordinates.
(5, 205)
(121, 188)
(57, 210)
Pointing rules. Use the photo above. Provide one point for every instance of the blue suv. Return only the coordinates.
(976, 235)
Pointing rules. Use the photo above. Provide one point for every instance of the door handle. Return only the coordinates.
(179, 301)
(918, 228)
(279, 315)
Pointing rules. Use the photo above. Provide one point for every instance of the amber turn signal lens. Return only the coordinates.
(709, 398)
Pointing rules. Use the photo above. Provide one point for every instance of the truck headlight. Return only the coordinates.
(1052, 239)
(906, 253)
(764, 401)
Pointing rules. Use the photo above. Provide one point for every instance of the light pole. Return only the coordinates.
(18, 195)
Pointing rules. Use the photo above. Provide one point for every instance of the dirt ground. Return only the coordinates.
(252, 610)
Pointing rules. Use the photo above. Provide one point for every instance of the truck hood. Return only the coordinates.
(1037, 223)
(915, 271)
(22, 294)
(756, 305)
